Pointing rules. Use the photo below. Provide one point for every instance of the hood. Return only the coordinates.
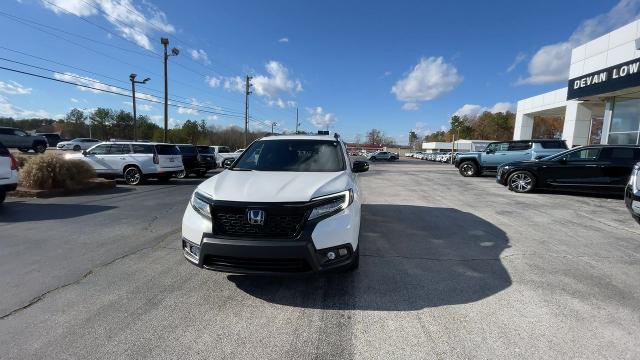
(273, 186)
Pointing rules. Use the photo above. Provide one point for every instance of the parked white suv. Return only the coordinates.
(289, 204)
(8, 172)
(133, 161)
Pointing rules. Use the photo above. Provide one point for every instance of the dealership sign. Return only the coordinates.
(607, 80)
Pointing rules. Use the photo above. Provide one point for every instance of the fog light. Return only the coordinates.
(331, 255)
(195, 250)
(342, 252)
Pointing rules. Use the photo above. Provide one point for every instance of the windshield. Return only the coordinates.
(187, 150)
(205, 150)
(167, 150)
(292, 155)
(223, 150)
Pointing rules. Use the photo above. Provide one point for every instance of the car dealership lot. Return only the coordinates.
(451, 267)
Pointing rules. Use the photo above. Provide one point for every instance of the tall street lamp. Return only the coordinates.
(132, 77)
(273, 124)
(174, 52)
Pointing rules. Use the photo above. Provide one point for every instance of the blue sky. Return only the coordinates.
(353, 65)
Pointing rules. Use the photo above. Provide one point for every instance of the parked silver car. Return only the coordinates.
(383, 155)
(78, 144)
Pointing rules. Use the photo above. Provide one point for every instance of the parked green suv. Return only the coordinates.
(500, 152)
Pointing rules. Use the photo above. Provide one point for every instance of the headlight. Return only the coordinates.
(199, 204)
(634, 179)
(335, 203)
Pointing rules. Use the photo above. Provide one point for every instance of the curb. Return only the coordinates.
(93, 184)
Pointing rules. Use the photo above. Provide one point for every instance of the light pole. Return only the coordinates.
(132, 77)
(272, 126)
(174, 52)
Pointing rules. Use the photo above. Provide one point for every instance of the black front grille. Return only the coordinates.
(280, 221)
(256, 264)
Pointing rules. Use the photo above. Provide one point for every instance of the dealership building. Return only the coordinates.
(601, 103)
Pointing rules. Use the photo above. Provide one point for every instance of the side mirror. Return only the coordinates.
(562, 160)
(85, 153)
(227, 163)
(489, 151)
(360, 166)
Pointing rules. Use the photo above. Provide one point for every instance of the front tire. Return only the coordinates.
(373, 158)
(182, 174)
(76, 148)
(521, 182)
(39, 148)
(132, 175)
(468, 169)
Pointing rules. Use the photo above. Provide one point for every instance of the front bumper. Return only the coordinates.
(306, 253)
(632, 201)
(265, 256)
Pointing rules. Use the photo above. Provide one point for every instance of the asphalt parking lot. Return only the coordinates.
(451, 267)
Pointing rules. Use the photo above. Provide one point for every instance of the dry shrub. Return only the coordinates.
(22, 160)
(50, 171)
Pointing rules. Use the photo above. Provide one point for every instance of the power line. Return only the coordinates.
(220, 109)
(114, 92)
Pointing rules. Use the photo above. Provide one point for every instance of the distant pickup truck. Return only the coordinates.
(18, 139)
(498, 153)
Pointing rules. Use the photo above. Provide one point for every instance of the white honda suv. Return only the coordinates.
(288, 204)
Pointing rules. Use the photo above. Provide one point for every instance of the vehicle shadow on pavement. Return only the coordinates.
(412, 257)
(18, 211)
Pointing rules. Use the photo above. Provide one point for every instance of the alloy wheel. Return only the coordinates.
(132, 176)
(521, 182)
(468, 169)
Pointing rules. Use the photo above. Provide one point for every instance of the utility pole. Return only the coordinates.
(174, 52)
(273, 124)
(297, 122)
(247, 92)
(132, 77)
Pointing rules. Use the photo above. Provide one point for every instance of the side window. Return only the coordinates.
(553, 144)
(519, 146)
(583, 155)
(120, 149)
(625, 154)
(498, 147)
(100, 149)
(5, 131)
(142, 149)
(19, 133)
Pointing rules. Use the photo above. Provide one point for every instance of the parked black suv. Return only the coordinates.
(594, 169)
(196, 160)
(52, 138)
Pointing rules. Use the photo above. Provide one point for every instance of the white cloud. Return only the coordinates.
(74, 100)
(143, 107)
(281, 103)
(136, 23)
(410, 106)
(199, 55)
(190, 111)
(321, 119)
(386, 73)
(13, 88)
(421, 129)
(429, 79)
(235, 83)
(213, 81)
(10, 110)
(472, 110)
(276, 81)
(520, 57)
(551, 62)
(283, 40)
(213, 117)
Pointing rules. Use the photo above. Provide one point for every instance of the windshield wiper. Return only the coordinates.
(240, 169)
